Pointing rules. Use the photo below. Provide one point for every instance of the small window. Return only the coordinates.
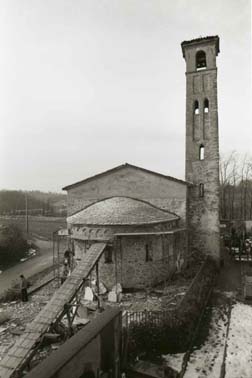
(202, 152)
(148, 254)
(196, 107)
(200, 60)
(206, 106)
(201, 190)
(108, 255)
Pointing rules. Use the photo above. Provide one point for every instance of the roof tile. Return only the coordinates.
(121, 211)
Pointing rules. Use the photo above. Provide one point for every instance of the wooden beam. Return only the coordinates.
(98, 283)
(116, 275)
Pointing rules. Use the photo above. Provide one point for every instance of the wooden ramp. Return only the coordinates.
(23, 349)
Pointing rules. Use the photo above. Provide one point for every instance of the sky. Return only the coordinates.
(86, 85)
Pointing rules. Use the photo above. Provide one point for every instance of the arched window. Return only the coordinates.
(108, 255)
(201, 190)
(196, 107)
(148, 253)
(202, 152)
(200, 60)
(206, 106)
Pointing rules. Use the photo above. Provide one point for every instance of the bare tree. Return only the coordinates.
(236, 186)
(228, 178)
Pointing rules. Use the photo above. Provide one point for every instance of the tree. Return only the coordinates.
(12, 245)
(236, 186)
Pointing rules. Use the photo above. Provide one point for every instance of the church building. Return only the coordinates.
(150, 221)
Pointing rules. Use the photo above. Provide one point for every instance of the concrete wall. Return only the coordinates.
(202, 129)
(161, 192)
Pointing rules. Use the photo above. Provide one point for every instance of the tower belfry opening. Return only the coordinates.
(201, 60)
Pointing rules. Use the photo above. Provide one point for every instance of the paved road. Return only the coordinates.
(29, 267)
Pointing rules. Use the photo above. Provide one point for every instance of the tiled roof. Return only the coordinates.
(119, 167)
(121, 211)
(203, 39)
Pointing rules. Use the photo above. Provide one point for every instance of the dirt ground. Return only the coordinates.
(20, 314)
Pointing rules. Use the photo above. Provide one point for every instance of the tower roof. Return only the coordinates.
(200, 40)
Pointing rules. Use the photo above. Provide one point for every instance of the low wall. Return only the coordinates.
(200, 286)
(92, 352)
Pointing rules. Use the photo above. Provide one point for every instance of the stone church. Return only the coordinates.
(150, 221)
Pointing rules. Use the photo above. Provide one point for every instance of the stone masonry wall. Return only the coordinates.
(129, 265)
(159, 191)
(202, 130)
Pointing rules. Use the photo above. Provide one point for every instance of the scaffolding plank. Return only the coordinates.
(18, 354)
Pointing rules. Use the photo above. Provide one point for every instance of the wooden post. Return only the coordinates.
(53, 255)
(121, 257)
(58, 258)
(26, 216)
(68, 316)
(67, 309)
(76, 305)
(115, 252)
(98, 283)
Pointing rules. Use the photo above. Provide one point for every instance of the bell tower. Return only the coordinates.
(202, 145)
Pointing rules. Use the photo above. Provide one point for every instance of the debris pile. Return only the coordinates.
(88, 302)
(20, 314)
(158, 299)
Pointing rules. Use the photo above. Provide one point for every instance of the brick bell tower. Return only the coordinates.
(202, 145)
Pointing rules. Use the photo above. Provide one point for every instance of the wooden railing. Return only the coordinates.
(154, 317)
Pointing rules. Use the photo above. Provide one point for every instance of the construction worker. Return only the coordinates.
(23, 287)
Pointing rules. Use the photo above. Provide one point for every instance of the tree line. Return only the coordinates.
(235, 193)
(15, 202)
(236, 186)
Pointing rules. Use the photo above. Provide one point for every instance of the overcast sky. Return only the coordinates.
(86, 85)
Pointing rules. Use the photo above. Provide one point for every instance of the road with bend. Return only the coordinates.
(28, 268)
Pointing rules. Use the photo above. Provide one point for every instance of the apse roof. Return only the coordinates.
(121, 211)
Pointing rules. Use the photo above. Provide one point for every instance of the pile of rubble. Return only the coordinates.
(159, 298)
(16, 315)
(155, 300)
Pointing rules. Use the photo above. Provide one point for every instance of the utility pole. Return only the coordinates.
(26, 216)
